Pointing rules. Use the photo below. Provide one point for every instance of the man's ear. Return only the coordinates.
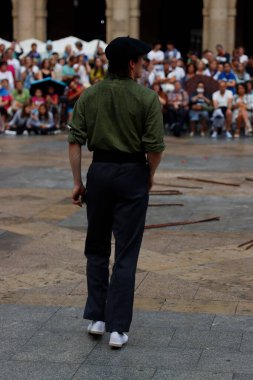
(131, 64)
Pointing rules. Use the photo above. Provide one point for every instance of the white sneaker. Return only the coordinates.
(96, 328)
(192, 134)
(228, 135)
(118, 340)
(214, 135)
(202, 134)
(11, 133)
(25, 133)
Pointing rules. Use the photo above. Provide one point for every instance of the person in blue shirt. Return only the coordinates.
(229, 77)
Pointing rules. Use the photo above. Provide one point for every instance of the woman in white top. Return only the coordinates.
(240, 110)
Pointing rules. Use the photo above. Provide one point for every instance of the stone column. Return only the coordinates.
(218, 25)
(205, 13)
(134, 18)
(120, 18)
(41, 20)
(109, 26)
(231, 26)
(15, 18)
(25, 22)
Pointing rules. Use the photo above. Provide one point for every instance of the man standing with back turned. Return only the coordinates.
(121, 121)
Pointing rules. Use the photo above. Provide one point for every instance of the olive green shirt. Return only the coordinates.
(118, 115)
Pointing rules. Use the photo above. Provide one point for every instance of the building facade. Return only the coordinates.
(203, 23)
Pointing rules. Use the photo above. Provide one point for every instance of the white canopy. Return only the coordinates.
(59, 45)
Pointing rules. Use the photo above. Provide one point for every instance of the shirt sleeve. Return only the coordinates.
(77, 126)
(153, 137)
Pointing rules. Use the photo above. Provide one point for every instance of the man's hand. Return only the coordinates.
(77, 194)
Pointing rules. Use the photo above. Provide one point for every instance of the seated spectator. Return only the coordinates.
(41, 122)
(201, 68)
(97, 73)
(222, 100)
(240, 107)
(5, 99)
(249, 67)
(163, 99)
(156, 56)
(17, 49)
(29, 72)
(55, 67)
(166, 78)
(176, 71)
(68, 71)
(6, 74)
(2, 51)
(241, 75)
(20, 96)
(144, 79)
(207, 57)
(171, 52)
(46, 70)
(221, 55)
(52, 102)
(38, 98)
(18, 123)
(200, 106)
(192, 57)
(190, 71)
(228, 77)
(234, 64)
(249, 91)
(33, 53)
(212, 70)
(178, 106)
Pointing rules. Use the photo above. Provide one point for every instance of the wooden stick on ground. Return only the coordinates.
(249, 179)
(250, 246)
(181, 186)
(165, 192)
(164, 204)
(247, 242)
(182, 223)
(209, 181)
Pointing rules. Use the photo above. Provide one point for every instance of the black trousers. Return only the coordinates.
(117, 200)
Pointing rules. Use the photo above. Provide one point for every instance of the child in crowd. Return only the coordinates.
(42, 122)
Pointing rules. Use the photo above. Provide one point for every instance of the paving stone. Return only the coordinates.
(228, 323)
(247, 342)
(196, 338)
(241, 376)
(223, 361)
(170, 375)
(146, 357)
(19, 330)
(36, 370)
(25, 313)
(56, 347)
(89, 372)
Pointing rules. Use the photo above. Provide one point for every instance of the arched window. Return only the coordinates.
(6, 28)
(82, 19)
(179, 21)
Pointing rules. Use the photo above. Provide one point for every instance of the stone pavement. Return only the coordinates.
(193, 301)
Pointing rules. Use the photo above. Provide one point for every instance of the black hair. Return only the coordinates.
(119, 68)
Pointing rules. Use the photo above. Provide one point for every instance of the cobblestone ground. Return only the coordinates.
(193, 301)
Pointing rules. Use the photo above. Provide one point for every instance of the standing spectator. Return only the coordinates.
(11, 60)
(33, 53)
(222, 100)
(240, 110)
(222, 56)
(17, 49)
(29, 72)
(228, 76)
(83, 69)
(68, 52)
(6, 74)
(49, 50)
(199, 109)
(156, 56)
(68, 71)
(97, 73)
(171, 52)
(243, 58)
(80, 50)
(178, 106)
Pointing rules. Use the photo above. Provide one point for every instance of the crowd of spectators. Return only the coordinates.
(30, 99)
(26, 109)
